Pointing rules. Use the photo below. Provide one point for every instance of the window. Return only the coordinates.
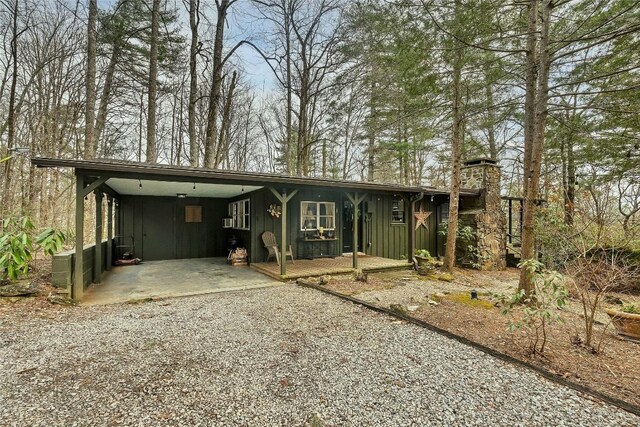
(397, 211)
(239, 213)
(317, 214)
(193, 214)
(443, 212)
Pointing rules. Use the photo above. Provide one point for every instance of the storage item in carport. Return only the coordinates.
(238, 256)
(125, 251)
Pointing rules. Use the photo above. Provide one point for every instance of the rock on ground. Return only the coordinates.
(272, 357)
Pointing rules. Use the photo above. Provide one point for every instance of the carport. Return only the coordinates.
(173, 278)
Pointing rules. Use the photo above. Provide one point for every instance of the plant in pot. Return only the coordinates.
(422, 257)
(626, 320)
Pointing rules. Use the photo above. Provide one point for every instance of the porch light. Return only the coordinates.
(139, 184)
(181, 195)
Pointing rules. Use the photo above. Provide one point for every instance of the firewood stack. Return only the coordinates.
(238, 256)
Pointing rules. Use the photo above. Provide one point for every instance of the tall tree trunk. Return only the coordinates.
(226, 121)
(89, 134)
(537, 144)
(371, 147)
(456, 154)
(101, 118)
(570, 189)
(194, 20)
(491, 121)
(302, 149)
(152, 155)
(289, 116)
(211, 134)
(11, 114)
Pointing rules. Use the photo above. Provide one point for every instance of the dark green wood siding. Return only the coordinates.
(208, 239)
(169, 236)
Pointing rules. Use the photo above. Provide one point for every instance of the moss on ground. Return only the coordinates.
(465, 298)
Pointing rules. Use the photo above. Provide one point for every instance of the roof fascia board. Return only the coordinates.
(176, 174)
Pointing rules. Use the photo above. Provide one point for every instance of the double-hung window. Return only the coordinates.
(397, 211)
(314, 215)
(239, 212)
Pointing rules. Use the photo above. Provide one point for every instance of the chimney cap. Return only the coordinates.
(481, 161)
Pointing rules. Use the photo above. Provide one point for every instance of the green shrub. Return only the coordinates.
(539, 309)
(16, 247)
(51, 241)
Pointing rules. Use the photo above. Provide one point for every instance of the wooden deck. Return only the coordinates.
(321, 266)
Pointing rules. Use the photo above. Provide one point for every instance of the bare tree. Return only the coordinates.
(11, 114)
(89, 134)
(194, 20)
(211, 136)
(152, 154)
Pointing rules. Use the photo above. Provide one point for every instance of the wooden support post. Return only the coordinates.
(283, 198)
(77, 287)
(355, 200)
(520, 224)
(97, 260)
(283, 238)
(510, 221)
(109, 232)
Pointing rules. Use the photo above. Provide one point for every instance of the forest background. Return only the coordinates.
(387, 91)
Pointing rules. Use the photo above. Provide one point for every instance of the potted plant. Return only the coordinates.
(627, 320)
(422, 257)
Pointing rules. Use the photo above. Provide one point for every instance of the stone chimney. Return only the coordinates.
(484, 213)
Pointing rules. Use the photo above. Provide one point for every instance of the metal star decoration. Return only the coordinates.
(421, 218)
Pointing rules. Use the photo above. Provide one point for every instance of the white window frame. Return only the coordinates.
(240, 214)
(330, 208)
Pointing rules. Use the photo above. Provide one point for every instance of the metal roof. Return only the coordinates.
(163, 172)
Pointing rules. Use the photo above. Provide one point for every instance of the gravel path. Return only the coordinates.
(264, 358)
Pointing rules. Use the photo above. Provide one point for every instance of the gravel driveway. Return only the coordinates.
(263, 358)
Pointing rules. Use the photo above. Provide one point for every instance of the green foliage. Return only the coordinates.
(51, 241)
(535, 312)
(631, 308)
(423, 253)
(16, 248)
(466, 245)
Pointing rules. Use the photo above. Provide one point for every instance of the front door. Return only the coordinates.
(347, 227)
(159, 229)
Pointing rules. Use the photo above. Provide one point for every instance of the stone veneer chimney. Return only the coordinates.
(485, 212)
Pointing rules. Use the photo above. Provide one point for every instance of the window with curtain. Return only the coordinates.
(317, 214)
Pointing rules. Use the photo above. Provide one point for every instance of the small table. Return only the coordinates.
(318, 248)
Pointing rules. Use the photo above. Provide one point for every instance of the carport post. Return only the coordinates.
(109, 232)
(77, 286)
(97, 261)
(283, 198)
(355, 200)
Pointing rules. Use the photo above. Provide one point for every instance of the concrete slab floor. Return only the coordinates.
(173, 278)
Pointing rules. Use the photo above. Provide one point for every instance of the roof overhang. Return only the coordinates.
(124, 175)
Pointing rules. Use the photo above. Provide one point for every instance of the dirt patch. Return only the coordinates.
(614, 371)
(36, 305)
(347, 286)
